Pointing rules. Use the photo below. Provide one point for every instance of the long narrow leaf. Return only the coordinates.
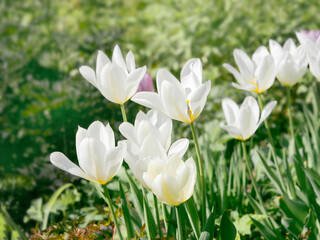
(126, 213)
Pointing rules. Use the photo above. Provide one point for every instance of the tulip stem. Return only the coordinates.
(180, 237)
(107, 199)
(289, 112)
(273, 149)
(253, 180)
(157, 215)
(123, 112)
(164, 216)
(203, 193)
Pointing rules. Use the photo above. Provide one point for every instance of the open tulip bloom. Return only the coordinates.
(117, 80)
(244, 121)
(98, 157)
(313, 52)
(291, 62)
(256, 75)
(182, 101)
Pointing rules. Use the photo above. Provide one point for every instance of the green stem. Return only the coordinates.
(145, 214)
(157, 215)
(107, 199)
(254, 181)
(164, 217)
(203, 193)
(289, 112)
(123, 112)
(273, 149)
(180, 237)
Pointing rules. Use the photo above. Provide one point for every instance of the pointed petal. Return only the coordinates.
(117, 58)
(80, 135)
(102, 60)
(191, 73)
(165, 75)
(131, 64)
(267, 111)
(231, 111)
(59, 160)
(266, 72)
(88, 74)
(148, 99)
(235, 73)
(244, 63)
(134, 81)
(179, 148)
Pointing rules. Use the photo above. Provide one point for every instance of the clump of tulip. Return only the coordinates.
(158, 164)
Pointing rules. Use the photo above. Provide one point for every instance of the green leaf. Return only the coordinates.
(126, 213)
(51, 202)
(294, 209)
(192, 212)
(137, 196)
(266, 231)
(149, 218)
(227, 229)
(208, 230)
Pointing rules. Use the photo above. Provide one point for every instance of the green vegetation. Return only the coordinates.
(43, 99)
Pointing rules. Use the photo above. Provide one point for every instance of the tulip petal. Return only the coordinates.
(148, 99)
(174, 102)
(179, 148)
(235, 73)
(117, 58)
(259, 55)
(266, 73)
(88, 74)
(114, 160)
(247, 121)
(80, 135)
(251, 102)
(191, 73)
(267, 111)
(133, 81)
(233, 131)
(165, 75)
(93, 159)
(102, 60)
(231, 111)
(198, 98)
(245, 64)
(128, 131)
(131, 64)
(59, 160)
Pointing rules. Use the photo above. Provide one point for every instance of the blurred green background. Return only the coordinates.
(43, 98)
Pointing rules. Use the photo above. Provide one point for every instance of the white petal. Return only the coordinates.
(59, 160)
(88, 74)
(179, 148)
(174, 102)
(165, 75)
(247, 121)
(231, 111)
(148, 99)
(102, 60)
(289, 45)
(114, 160)
(80, 135)
(276, 50)
(259, 55)
(128, 131)
(131, 64)
(134, 81)
(93, 159)
(266, 111)
(113, 82)
(117, 58)
(191, 73)
(233, 131)
(266, 72)
(151, 147)
(244, 63)
(198, 98)
(235, 73)
(252, 103)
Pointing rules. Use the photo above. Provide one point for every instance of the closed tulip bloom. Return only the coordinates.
(313, 53)
(146, 84)
(171, 179)
(182, 101)
(98, 157)
(244, 121)
(291, 62)
(149, 138)
(117, 80)
(256, 74)
(312, 34)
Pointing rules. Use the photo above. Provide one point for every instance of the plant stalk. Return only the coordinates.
(157, 215)
(123, 112)
(202, 183)
(180, 236)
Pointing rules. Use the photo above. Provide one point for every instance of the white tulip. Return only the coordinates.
(117, 80)
(171, 179)
(98, 157)
(149, 138)
(256, 75)
(313, 53)
(291, 62)
(244, 121)
(182, 101)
